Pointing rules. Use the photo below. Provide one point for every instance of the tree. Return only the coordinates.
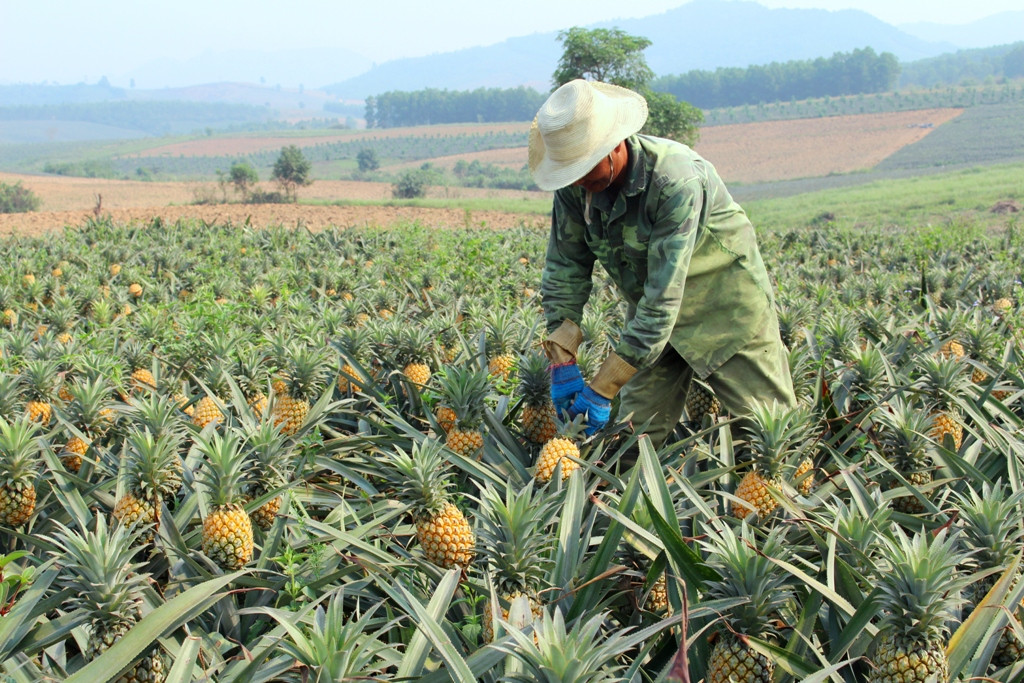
(17, 199)
(1013, 62)
(367, 160)
(291, 171)
(411, 184)
(613, 56)
(243, 177)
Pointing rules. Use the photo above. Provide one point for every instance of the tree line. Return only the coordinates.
(844, 73)
(966, 67)
(424, 107)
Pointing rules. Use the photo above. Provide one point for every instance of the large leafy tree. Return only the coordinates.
(291, 171)
(616, 57)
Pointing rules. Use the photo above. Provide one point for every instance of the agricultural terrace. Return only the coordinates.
(238, 452)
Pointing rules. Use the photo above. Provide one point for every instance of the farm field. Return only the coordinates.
(281, 445)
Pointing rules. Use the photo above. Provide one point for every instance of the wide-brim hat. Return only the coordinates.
(578, 125)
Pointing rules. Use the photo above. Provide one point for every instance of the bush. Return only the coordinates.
(17, 199)
(410, 185)
(261, 197)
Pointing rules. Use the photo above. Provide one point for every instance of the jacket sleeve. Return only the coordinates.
(568, 266)
(673, 236)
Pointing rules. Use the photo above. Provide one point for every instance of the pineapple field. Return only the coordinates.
(239, 453)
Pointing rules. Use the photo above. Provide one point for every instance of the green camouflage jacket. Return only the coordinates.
(680, 250)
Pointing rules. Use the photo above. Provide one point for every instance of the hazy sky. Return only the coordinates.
(70, 41)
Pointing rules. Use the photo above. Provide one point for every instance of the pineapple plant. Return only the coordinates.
(776, 434)
(40, 386)
(423, 482)
(139, 360)
(943, 381)
(269, 458)
(920, 593)
(561, 451)
(91, 413)
(538, 418)
(746, 573)
(19, 462)
(227, 529)
(351, 343)
(210, 408)
(104, 583)
(253, 378)
(151, 471)
(415, 347)
(501, 335)
(515, 547)
(464, 390)
(903, 441)
(304, 378)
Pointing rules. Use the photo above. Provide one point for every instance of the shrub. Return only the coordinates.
(410, 185)
(17, 199)
(262, 197)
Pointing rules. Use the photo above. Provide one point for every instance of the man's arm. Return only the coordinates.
(568, 267)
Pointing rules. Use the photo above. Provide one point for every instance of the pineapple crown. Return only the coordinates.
(746, 572)
(224, 471)
(859, 529)
(20, 451)
(534, 379)
(941, 380)
(90, 407)
(514, 530)
(920, 586)
(991, 523)
(269, 454)
(775, 432)
(306, 371)
(421, 477)
(905, 428)
(151, 466)
(40, 379)
(156, 413)
(464, 389)
(414, 344)
(100, 571)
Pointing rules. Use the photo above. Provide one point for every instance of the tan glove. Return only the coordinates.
(560, 346)
(612, 375)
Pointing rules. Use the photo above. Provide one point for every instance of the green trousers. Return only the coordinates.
(758, 372)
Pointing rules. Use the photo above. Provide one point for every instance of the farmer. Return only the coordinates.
(681, 252)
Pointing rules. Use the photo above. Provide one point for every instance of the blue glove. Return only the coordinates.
(566, 382)
(597, 409)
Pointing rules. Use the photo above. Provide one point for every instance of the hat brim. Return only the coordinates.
(630, 115)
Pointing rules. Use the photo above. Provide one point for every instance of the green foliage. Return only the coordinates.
(17, 198)
(367, 160)
(1013, 62)
(960, 67)
(411, 184)
(291, 171)
(608, 55)
(670, 118)
(429, 106)
(243, 176)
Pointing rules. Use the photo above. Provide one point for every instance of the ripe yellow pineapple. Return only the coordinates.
(210, 408)
(747, 574)
(423, 481)
(464, 389)
(40, 380)
(270, 464)
(151, 471)
(561, 451)
(304, 378)
(538, 418)
(227, 529)
(701, 403)
(516, 546)
(776, 434)
(19, 463)
(415, 347)
(101, 574)
(502, 339)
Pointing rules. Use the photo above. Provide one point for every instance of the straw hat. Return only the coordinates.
(578, 125)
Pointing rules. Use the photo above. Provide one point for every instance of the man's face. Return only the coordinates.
(599, 178)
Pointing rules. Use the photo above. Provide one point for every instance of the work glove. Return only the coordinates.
(595, 407)
(566, 382)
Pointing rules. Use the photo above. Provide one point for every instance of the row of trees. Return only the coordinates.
(424, 107)
(291, 171)
(966, 67)
(844, 73)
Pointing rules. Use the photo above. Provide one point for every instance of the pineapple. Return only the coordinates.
(803, 477)
(40, 385)
(423, 482)
(516, 546)
(270, 463)
(560, 451)
(139, 361)
(415, 350)
(305, 375)
(920, 592)
(210, 408)
(501, 335)
(227, 529)
(253, 379)
(949, 325)
(90, 412)
(351, 343)
(464, 389)
(103, 581)
(776, 433)
(701, 403)
(749, 575)
(538, 418)
(943, 381)
(993, 535)
(152, 471)
(19, 462)
(904, 443)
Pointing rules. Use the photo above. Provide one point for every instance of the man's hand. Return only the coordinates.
(596, 407)
(566, 383)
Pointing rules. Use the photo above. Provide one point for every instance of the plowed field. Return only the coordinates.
(747, 153)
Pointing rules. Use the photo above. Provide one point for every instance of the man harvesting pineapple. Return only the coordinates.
(682, 253)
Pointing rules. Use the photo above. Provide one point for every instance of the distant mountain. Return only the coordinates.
(308, 67)
(702, 34)
(998, 29)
